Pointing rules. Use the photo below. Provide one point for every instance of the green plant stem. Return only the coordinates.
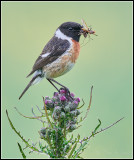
(27, 144)
(89, 103)
(47, 114)
(65, 129)
(27, 116)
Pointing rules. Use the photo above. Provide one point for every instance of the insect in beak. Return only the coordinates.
(85, 30)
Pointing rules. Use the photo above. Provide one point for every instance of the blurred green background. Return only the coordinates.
(105, 62)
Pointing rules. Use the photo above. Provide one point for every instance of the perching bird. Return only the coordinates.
(59, 55)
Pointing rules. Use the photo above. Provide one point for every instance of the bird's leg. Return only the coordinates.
(53, 84)
(60, 85)
(67, 90)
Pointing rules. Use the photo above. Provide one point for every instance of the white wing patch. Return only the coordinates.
(44, 55)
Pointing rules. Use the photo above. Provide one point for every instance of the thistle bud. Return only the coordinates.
(49, 132)
(77, 112)
(54, 99)
(55, 116)
(47, 98)
(56, 94)
(73, 113)
(73, 121)
(72, 127)
(62, 115)
(43, 130)
(73, 105)
(67, 108)
(49, 104)
(57, 109)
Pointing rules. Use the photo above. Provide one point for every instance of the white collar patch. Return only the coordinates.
(61, 35)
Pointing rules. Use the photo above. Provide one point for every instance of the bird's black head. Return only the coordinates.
(71, 29)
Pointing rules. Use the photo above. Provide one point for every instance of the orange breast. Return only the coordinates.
(75, 51)
(64, 63)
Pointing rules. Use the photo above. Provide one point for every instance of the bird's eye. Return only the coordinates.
(70, 28)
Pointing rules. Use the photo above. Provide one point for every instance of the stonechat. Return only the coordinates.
(59, 54)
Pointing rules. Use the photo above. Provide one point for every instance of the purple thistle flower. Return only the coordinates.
(56, 93)
(62, 91)
(63, 98)
(46, 101)
(75, 102)
(72, 94)
(54, 98)
(78, 99)
(49, 101)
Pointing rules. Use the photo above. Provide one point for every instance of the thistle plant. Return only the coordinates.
(60, 117)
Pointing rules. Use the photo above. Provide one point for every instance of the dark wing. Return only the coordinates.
(56, 47)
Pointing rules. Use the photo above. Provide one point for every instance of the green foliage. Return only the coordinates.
(21, 151)
(96, 128)
(18, 133)
(60, 117)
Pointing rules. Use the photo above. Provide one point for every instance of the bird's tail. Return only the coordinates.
(29, 84)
